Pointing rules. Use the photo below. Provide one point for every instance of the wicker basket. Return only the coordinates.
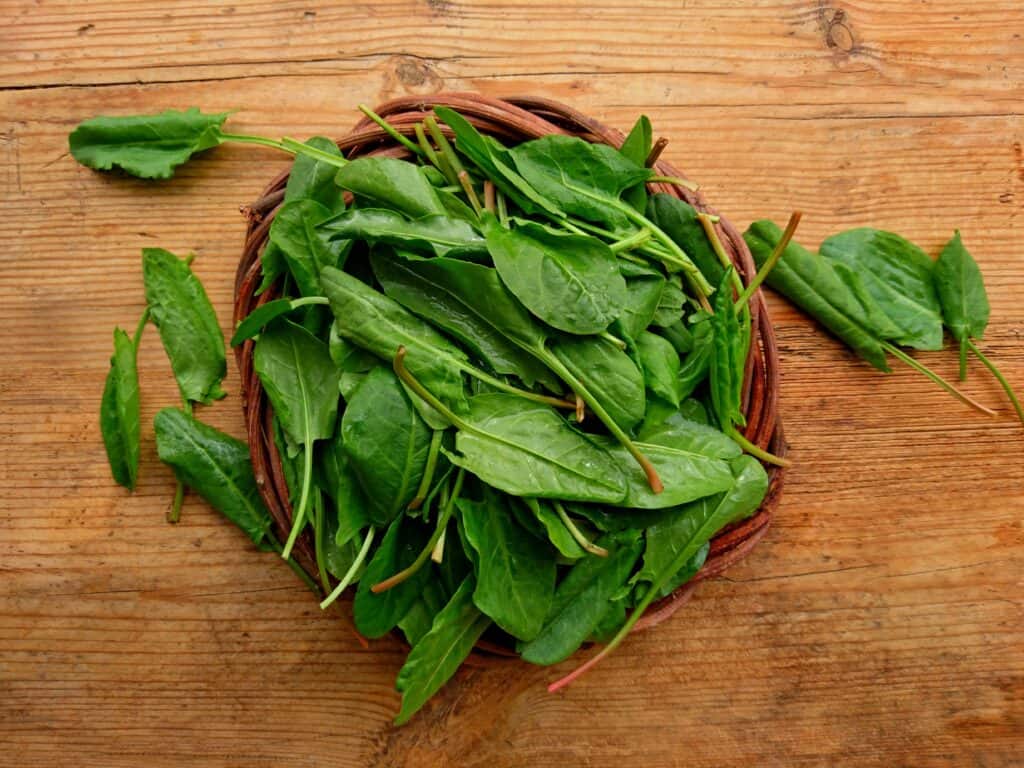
(512, 120)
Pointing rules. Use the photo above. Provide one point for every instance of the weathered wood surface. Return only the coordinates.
(879, 622)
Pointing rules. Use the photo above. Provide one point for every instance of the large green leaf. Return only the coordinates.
(527, 449)
(515, 578)
(306, 248)
(438, 235)
(439, 653)
(387, 443)
(216, 466)
(679, 221)
(582, 598)
(389, 183)
(898, 276)
(571, 282)
(187, 323)
(467, 301)
(608, 373)
(148, 146)
(381, 325)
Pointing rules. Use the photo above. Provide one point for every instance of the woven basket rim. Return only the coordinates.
(514, 119)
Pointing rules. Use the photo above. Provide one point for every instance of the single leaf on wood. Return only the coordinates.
(119, 412)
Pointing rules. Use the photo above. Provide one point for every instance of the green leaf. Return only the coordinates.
(340, 483)
(643, 295)
(670, 304)
(147, 146)
(582, 598)
(393, 184)
(554, 529)
(527, 449)
(688, 470)
(663, 543)
(571, 282)
(119, 412)
(727, 360)
(381, 325)
(311, 178)
(216, 466)
(440, 235)
(387, 443)
(515, 578)
(961, 291)
(377, 614)
(693, 369)
(305, 246)
(836, 300)
(417, 622)
(679, 336)
(681, 433)
(898, 276)
(660, 363)
(608, 373)
(636, 148)
(439, 653)
(583, 179)
(187, 323)
(679, 221)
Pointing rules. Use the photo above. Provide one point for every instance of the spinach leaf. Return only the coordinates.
(727, 360)
(898, 276)
(686, 471)
(264, 314)
(217, 467)
(464, 300)
(437, 234)
(515, 578)
(643, 295)
(387, 443)
(119, 410)
(496, 163)
(660, 364)
(301, 381)
(377, 613)
(662, 543)
(670, 304)
(836, 299)
(582, 598)
(439, 653)
(965, 308)
(679, 336)
(380, 325)
(693, 369)
(571, 282)
(636, 148)
(527, 449)
(554, 529)
(187, 323)
(678, 220)
(583, 179)
(339, 481)
(305, 246)
(683, 434)
(393, 184)
(311, 178)
(608, 373)
(147, 146)
(417, 622)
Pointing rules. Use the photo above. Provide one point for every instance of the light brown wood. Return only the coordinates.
(878, 624)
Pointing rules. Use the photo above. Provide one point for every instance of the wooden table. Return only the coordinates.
(878, 623)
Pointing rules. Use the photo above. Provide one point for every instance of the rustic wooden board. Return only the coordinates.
(878, 623)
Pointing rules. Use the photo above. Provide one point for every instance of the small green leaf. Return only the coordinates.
(119, 412)
(432, 235)
(661, 366)
(961, 291)
(393, 184)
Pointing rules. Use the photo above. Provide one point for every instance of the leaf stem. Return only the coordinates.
(769, 264)
(576, 533)
(291, 146)
(391, 131)
(556, 365)
(999, 377)
(276, 546)
(445, 161)
(707, 221)
(353, 569)
(424, 555)
(299, 519)
(631, 242)
(674, 180)
(425, 394)
(489, 196)
(502, 208)
(318, 540)
(429, 152)
(757, 452)
(467, 187)
(437, 555)
(497, 383)
(139, 328)
(428, 473)
(920, 368)
(174, 513)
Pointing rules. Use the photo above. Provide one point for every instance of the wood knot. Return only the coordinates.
(408, 74)
(835, 28)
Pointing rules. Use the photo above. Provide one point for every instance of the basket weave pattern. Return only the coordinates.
(512, 120)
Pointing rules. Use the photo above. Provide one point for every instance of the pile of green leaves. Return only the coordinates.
(505, 382)
(877, 292)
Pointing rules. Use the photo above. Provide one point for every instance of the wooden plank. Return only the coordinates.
(879, 623)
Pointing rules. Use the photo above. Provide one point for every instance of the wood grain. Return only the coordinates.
(878, 624)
